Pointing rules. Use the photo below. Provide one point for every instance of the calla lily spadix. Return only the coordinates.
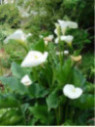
(17, 35)
(72, 92)
(26, 80)
(34, 58)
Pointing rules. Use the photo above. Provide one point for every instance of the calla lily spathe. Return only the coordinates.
(71, 92)
(67, 39)
(26, 80)
(34, 58)
(67, 24)
(17, 35)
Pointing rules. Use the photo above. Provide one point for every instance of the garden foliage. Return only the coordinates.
(46, 78)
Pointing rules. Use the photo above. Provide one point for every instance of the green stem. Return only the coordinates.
(1, 69)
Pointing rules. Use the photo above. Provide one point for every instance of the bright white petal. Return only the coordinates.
(62, 23)
(71, 92)
(26, 80)
(67, 89)
(55, 31)
(66, 52)
(34, 58)
(71, 24)
(17, 35)
(67, 38)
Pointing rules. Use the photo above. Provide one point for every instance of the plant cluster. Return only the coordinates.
(46, 87)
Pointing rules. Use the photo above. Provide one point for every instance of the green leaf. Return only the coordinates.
(40, 46)
(8, 101)
(63, 74)
(13, 84)
(37, 91)
(11, 116)
(40, 112)
(52, 101)
(17, 71)
(86, 101)
(78, 78)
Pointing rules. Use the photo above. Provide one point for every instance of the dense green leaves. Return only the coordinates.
(63, 73)
(86, 101)
(11, 116)
(8, 101)
(44, 102)
(40, 112)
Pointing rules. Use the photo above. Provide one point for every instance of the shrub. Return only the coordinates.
(9, 14)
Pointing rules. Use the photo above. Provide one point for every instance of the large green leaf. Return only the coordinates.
(40, 46)
(52, 100)
(40, 112)
(11, 116)
(17, 71)
(86, 101)
(13, 84)
(78, 78)
(64, 73)
(8, 100)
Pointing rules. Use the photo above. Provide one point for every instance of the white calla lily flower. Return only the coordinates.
(26, 80)
(17, 35)
(67, 38)
(71, 92)
(34, 58)
(67, 24)
(72, 25)
(63, 24)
